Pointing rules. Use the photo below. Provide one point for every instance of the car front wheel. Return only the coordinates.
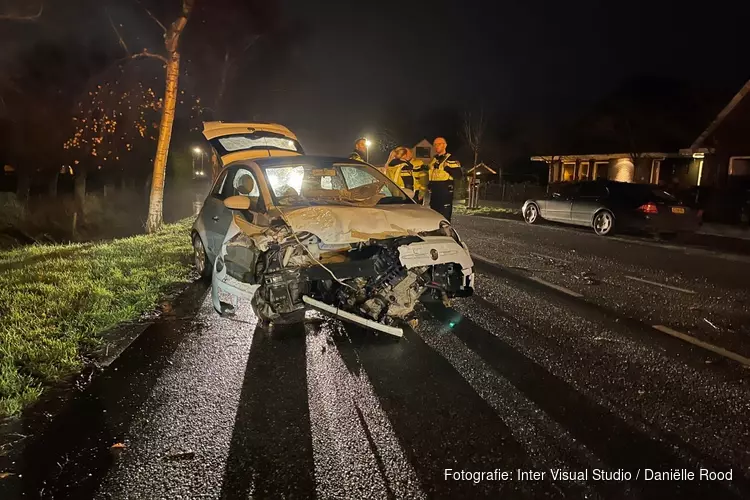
(604, 223)
(531, 214)
(200, 258)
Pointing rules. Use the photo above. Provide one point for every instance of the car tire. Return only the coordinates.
(200, 257)
(531, 213)
(604, 223)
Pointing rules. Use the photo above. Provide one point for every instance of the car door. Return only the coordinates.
(216, 217)
(587, 201)
(559, 205)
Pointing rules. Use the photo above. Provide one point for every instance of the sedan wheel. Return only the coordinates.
(200, 259)
(531, 214)
(604, 223)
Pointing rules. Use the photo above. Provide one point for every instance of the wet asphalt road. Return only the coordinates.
(520, 377)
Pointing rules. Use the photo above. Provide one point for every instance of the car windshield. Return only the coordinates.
(332, 184)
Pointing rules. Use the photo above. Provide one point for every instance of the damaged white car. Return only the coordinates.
(328, 234)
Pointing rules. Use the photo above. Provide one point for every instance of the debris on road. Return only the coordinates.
(177, 456)
(711, 324)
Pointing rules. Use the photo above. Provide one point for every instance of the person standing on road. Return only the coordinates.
(443, 171)
(360, 150)
(399, 169)
(419, 173)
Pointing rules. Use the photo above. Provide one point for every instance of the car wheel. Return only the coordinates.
(200, 258)
(531, 214)
(604, 223)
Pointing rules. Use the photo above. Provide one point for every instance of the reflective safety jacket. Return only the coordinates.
(356, 156)
(400, 172)
(442, 168)
(420, 175)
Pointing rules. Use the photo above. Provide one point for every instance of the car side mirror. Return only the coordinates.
(237, 202)
(409, 192)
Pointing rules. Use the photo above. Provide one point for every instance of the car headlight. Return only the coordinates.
(447, 230)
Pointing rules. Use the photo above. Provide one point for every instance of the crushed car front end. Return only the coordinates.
(378, 280)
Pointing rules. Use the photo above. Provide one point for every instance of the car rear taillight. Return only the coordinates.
(649, 208)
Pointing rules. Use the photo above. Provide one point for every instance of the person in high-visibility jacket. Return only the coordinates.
(420, 174)
(443, 171)
(399, 169)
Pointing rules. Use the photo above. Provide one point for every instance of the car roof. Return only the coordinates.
(279, 161)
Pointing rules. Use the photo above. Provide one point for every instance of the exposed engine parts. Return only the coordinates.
(367, 279)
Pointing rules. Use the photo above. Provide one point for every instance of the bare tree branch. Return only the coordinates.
(16, 17)
(144, 53)
(164, 28)
(117, 32)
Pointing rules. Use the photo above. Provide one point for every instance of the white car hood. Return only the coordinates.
(335, 224)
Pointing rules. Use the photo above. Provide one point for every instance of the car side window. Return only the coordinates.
(570, 191)
(219, 186)
(591, 190)
(245, 183)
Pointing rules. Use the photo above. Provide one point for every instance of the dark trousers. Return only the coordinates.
(441, 198)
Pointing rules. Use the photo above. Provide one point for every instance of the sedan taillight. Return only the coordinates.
(649, 208)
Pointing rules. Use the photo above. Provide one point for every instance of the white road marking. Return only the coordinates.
(705, 345)
(512, 221)
(683, 290)
(556, 287)
(485, 259)
(687, 250)
(549, 257)
(532, 278)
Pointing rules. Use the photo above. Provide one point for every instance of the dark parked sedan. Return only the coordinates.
(606, 205)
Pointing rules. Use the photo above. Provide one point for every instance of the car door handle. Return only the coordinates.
(215, 218)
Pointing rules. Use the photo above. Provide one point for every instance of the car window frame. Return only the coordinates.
(262, 207)
(219, 184)
(598, 191)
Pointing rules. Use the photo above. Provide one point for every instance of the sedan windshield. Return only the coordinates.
(332, 184)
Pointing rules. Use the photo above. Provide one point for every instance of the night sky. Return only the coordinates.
(334, 70)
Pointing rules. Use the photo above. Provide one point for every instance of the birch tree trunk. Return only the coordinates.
(156, 200)
(171, 42)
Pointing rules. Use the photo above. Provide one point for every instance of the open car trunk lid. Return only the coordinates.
(243, 141)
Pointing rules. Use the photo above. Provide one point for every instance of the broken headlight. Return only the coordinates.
(445, 230)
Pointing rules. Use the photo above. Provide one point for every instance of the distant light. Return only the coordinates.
(197, 151)
(452, 324)
(368, 143)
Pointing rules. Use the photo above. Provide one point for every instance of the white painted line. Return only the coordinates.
(485, 259)
(549, 257)
(683, 290)
(556, 287)
(705, 345)
(512, 221)
(532, 278)
(688, 250)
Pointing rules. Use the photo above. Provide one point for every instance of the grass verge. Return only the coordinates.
(499, 212)
(56, 301)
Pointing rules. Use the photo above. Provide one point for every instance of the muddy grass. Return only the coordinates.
(501, 213)
(56, 300)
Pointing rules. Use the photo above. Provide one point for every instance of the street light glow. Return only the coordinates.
(197, 151)
(367, 142)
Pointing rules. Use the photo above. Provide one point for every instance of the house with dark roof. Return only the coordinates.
(664, 136)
